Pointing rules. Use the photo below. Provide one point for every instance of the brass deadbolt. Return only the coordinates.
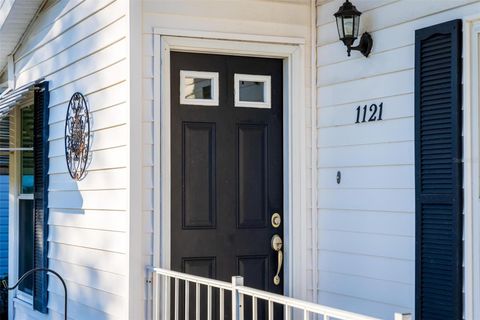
(276, 220)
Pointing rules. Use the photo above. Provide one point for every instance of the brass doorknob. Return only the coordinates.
(277, 244)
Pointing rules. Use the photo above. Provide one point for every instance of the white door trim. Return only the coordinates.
(292, 51)
(471, 142)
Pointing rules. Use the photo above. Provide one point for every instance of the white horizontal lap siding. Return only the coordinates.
(80, 45)
(366, 224)
(289, 18)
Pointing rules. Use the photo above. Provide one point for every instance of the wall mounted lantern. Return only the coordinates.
(348, 22)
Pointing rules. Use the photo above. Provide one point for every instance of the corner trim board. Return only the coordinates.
(471, 174)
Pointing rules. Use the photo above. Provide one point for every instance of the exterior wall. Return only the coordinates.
(80, 45)
(361, 239)
(366, 224)
(289, 18)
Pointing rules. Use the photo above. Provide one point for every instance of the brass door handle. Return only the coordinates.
(277, 244)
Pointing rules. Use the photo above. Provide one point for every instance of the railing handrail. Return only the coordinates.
(301, 304)
(202, 280)
(264, 295)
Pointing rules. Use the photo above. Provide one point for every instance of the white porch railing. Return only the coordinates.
(163, 279)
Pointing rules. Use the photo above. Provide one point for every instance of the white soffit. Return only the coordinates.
(15, 16)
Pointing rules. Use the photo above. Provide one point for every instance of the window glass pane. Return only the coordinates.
(198, 88)
(26, 158)
(4, 202)
(252, 91)
(25, 243)
(5, 144)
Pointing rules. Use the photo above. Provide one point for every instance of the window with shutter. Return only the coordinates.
(438, 170)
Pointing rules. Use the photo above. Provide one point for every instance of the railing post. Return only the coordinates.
(403, 316)
(155, 297)
(236, 303)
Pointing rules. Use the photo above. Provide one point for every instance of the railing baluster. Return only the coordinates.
(176, 299)
(254, 308)
(270, 310)
(166, 293)
(287, 312)
(222, 304)
(197, 301)
(305, 314)
(187, 300)
(242, 307)
(209, 303)
(326, 317)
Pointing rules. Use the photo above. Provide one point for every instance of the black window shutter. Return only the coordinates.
(438, 171)
(40, 259)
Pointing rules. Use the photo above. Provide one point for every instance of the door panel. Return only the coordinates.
(204, 266)
(252, 176)
(198, 200)
(227, 173)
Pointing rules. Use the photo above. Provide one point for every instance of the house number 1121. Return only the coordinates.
(369, 114)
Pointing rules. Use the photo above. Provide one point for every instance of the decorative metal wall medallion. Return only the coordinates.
(77, 136)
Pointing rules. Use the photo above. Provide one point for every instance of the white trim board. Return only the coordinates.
(228, 36)
(136, 272)
(471, 147)
(293, 55)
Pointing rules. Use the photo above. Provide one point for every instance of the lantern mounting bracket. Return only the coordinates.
(365, 45)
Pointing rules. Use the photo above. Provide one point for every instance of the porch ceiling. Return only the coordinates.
(15, 15)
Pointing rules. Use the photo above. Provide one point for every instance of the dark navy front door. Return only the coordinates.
(227, 167)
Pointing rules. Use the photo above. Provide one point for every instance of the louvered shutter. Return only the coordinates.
(40, 260)
(438, 171)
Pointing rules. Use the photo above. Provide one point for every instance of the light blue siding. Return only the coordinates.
(3, 224)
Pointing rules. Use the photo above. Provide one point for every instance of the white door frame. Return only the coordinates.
(471, 141)
(292, 51)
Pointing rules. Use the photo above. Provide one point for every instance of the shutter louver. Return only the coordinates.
(40, 259)
(438, 171)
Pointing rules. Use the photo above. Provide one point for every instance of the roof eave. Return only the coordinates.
(12, 28)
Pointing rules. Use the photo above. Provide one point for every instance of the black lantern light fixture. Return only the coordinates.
(348, 22)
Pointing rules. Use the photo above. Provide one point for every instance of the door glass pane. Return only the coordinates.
(26, 158)
(198, 88)
(25, 243)
(252, 91)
